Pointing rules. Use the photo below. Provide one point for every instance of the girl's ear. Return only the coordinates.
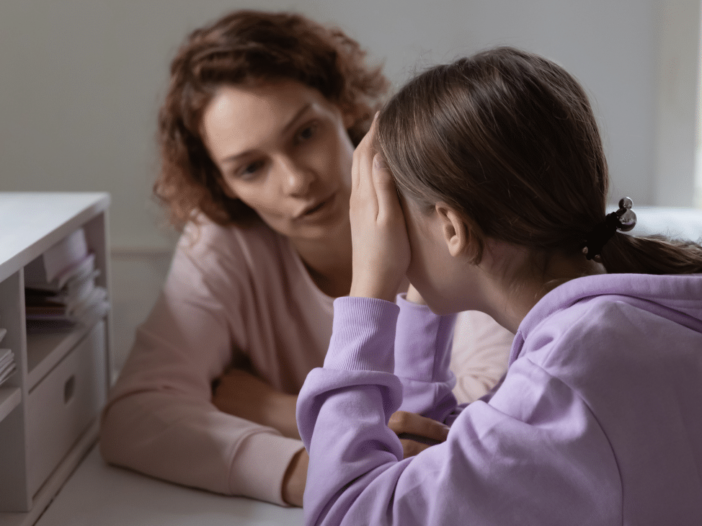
(455, 232)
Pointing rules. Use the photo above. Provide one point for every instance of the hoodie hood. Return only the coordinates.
(674, 297)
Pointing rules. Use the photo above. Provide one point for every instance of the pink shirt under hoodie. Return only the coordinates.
(235, 294)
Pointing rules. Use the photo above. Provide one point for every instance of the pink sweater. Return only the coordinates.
(235, 294)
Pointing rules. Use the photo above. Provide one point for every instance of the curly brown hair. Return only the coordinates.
(241, 47)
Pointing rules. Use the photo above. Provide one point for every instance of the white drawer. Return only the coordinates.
(63, 405)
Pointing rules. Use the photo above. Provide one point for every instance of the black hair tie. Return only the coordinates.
(623, 220)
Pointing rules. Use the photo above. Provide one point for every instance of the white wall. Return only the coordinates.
(136, 283)
(81, 80)
(677, 89)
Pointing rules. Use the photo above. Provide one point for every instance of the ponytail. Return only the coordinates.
(655, 254)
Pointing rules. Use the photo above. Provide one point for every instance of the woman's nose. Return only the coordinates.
(297, 179)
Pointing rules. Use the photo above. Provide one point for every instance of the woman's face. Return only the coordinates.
(282, 148)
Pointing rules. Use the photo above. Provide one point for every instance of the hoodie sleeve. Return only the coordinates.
(533, 455)
(422, 357)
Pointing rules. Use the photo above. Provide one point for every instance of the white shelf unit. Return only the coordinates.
(49, 407)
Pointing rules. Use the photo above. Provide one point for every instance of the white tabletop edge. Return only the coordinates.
(46, 221)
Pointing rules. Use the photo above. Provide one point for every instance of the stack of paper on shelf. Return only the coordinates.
(60, 288)
(7, 360)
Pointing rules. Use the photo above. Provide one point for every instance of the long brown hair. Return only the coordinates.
(509, 140)
(242, 47)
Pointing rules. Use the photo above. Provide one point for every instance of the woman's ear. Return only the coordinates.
(454, 229)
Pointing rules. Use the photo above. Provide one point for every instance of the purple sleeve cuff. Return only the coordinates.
(423, 343)
(363, 335)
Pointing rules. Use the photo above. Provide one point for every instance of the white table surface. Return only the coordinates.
(98, 494)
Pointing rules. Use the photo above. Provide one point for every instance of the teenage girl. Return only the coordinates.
(484, 181)
(257, 132)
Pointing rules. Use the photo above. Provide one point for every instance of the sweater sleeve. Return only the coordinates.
(422, 358)
(159, 418)
(533, 455)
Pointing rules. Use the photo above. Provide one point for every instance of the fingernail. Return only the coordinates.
(379, 163)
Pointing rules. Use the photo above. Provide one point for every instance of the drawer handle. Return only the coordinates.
(68, 389)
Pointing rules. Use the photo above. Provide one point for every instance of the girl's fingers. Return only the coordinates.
(381, 251)
(360, 157)
(402, 422)
(362, 187)
(366, 188)
(385, 190)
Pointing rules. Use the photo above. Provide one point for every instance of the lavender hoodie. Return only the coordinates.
(598, 420)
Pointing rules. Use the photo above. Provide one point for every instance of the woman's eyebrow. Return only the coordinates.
(283, 131)
(295, 117)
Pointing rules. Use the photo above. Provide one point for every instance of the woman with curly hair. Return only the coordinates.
(257, 133)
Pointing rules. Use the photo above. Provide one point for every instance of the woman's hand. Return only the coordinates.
(295, 479)
(417, 432)
(381, 251)
(242, 394)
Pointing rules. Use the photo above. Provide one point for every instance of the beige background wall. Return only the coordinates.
(81, 80)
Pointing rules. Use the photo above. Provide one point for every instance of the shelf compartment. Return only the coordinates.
(45, 350)
(55, 396)
(10, 397)
(63, 405)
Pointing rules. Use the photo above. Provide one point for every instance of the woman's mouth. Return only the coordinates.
(318, 209)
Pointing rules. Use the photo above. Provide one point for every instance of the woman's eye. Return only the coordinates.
(250, 169)
(306, 133)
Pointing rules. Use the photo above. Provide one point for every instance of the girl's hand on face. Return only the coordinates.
(381, 251)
